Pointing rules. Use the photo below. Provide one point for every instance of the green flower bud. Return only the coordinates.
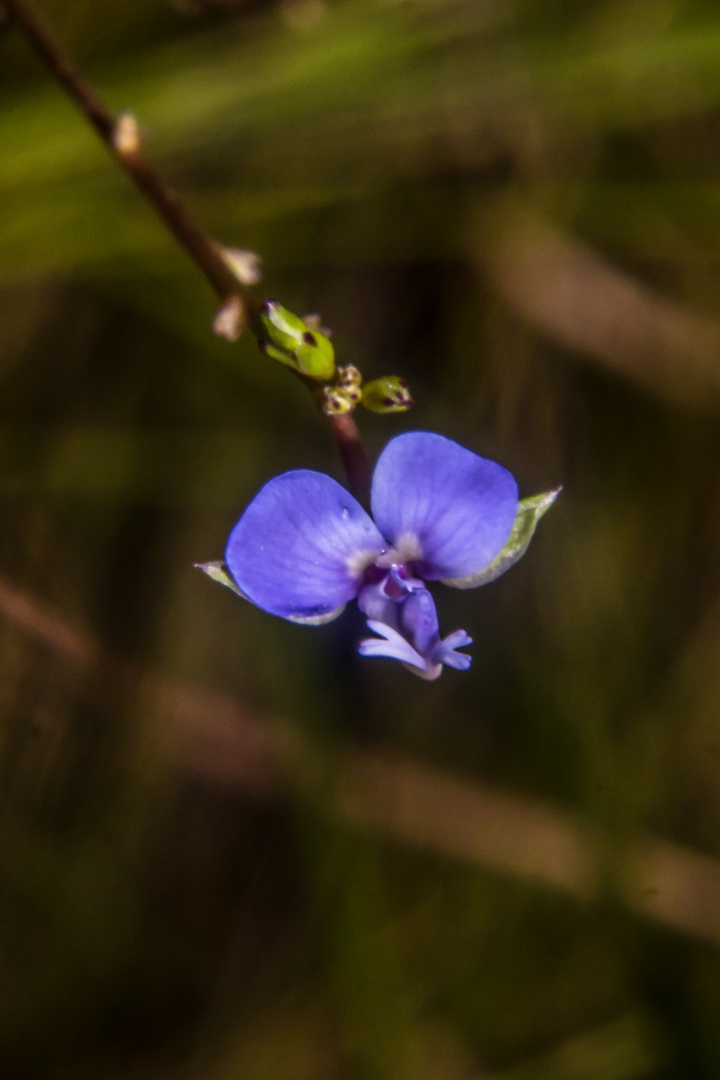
(335, 400)
(349, 378)
(286, 338)
(390, 394)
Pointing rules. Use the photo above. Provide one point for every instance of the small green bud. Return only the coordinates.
(335, 400)
(286, 338)
(387, 395)
(349, 378)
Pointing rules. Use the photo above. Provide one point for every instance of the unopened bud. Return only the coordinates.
(334, 401)
(126, 135)
(285, 337)
(349, 378)
(245, 265)
(230, 319)
(390, 394)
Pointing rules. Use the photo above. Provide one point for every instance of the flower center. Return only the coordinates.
(393, 581)
(406, 549)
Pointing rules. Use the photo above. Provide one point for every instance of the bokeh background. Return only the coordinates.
(229, 848)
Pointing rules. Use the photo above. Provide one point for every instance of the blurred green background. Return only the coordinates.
(230, 848)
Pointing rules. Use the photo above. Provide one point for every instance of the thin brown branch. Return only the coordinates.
(352, 454)
(120, 136)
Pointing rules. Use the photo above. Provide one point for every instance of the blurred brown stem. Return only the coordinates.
(215, 736)
(122, 139)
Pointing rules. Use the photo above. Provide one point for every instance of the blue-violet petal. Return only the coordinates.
(446, 509)
(301, 547)
(419, 621)
(392, 645)
(445, 651)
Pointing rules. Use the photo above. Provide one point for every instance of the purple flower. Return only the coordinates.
(305, 547)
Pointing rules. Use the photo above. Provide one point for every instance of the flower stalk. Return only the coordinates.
(205, 252)
(241, 305)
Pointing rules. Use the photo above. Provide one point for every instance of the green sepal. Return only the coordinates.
(529, 513)
(219, 572)
(278, 354)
